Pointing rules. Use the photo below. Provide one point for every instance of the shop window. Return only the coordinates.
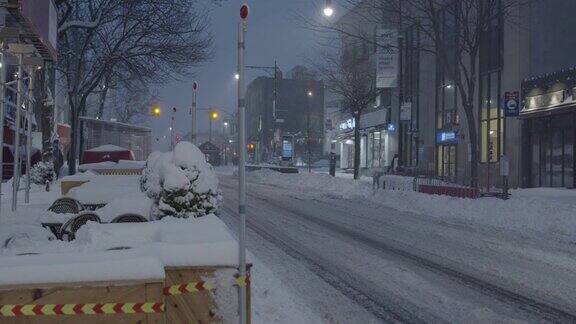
(492, 123)
(446, 166)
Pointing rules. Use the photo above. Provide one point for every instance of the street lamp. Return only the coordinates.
(156, 111)
(214, 115)
(310, 95)
(237, 76)
(328, 10)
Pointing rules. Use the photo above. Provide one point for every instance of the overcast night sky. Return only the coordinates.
(273, 33)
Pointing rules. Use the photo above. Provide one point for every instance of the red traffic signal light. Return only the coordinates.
(244, 11)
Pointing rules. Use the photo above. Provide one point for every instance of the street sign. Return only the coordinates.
(511, 104)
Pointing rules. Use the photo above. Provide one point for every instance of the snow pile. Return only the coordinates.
(129, 205)
(111, 165)
(181, 182)
(104, 189)
(42, 172)
(98, 248)
(532, 212)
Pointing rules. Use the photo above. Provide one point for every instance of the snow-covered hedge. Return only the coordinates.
(181, 182)
(42, 172)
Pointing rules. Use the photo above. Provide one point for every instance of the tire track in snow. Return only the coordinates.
(381, 307)
(527, 304)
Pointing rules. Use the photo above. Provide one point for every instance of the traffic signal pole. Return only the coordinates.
(193, 131)
(244, 10)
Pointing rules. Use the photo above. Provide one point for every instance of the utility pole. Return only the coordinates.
(210, 132)
(310, 96)
(29, 113)
(172, 124)
(244, 11)
(16, 151)
(2, 113)
(193, 131)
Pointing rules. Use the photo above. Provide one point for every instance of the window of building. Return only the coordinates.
(446, 166)
(492, 123)
(410, 84)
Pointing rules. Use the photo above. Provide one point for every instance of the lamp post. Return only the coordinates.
(213, 117)
(308, 149)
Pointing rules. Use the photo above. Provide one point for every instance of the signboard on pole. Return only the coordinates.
(287, 147)
(406, 111)
(511, 104)
(387, 58)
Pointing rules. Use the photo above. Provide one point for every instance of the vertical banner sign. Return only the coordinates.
(387, 59)
(406, 111)
(511, 104)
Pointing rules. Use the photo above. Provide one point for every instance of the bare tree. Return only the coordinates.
(131, 102)
(146, 40)
(453, 31)
(355, 83)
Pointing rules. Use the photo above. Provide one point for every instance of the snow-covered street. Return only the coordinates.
(349, 259)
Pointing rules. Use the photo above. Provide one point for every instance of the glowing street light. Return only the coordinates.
(225, 124)
(310, 93)
(214, 115)
(237, 76)
(328, 10)
(156, 111)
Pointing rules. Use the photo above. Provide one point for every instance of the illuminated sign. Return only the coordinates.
(545, 100)
(287, 148)
(348, 124)
(446, 137)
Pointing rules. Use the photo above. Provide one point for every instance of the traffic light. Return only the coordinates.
(214, 115)
(156, 111)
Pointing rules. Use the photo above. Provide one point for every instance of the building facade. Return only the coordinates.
(427, 126)
(299, 113)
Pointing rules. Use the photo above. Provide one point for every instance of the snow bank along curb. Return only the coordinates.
(532, 212)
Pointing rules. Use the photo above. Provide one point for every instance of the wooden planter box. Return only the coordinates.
(84, 293)
(202, 307)
(65, 186)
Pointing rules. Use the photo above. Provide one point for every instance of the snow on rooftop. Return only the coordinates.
(111, 165)
(108, 148)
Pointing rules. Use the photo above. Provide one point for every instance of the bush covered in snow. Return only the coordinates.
(42, 172)
(181, 183)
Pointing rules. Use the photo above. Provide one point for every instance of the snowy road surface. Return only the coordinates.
(354, 261)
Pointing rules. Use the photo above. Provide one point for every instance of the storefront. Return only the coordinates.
(375, 141)
(549, 130)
